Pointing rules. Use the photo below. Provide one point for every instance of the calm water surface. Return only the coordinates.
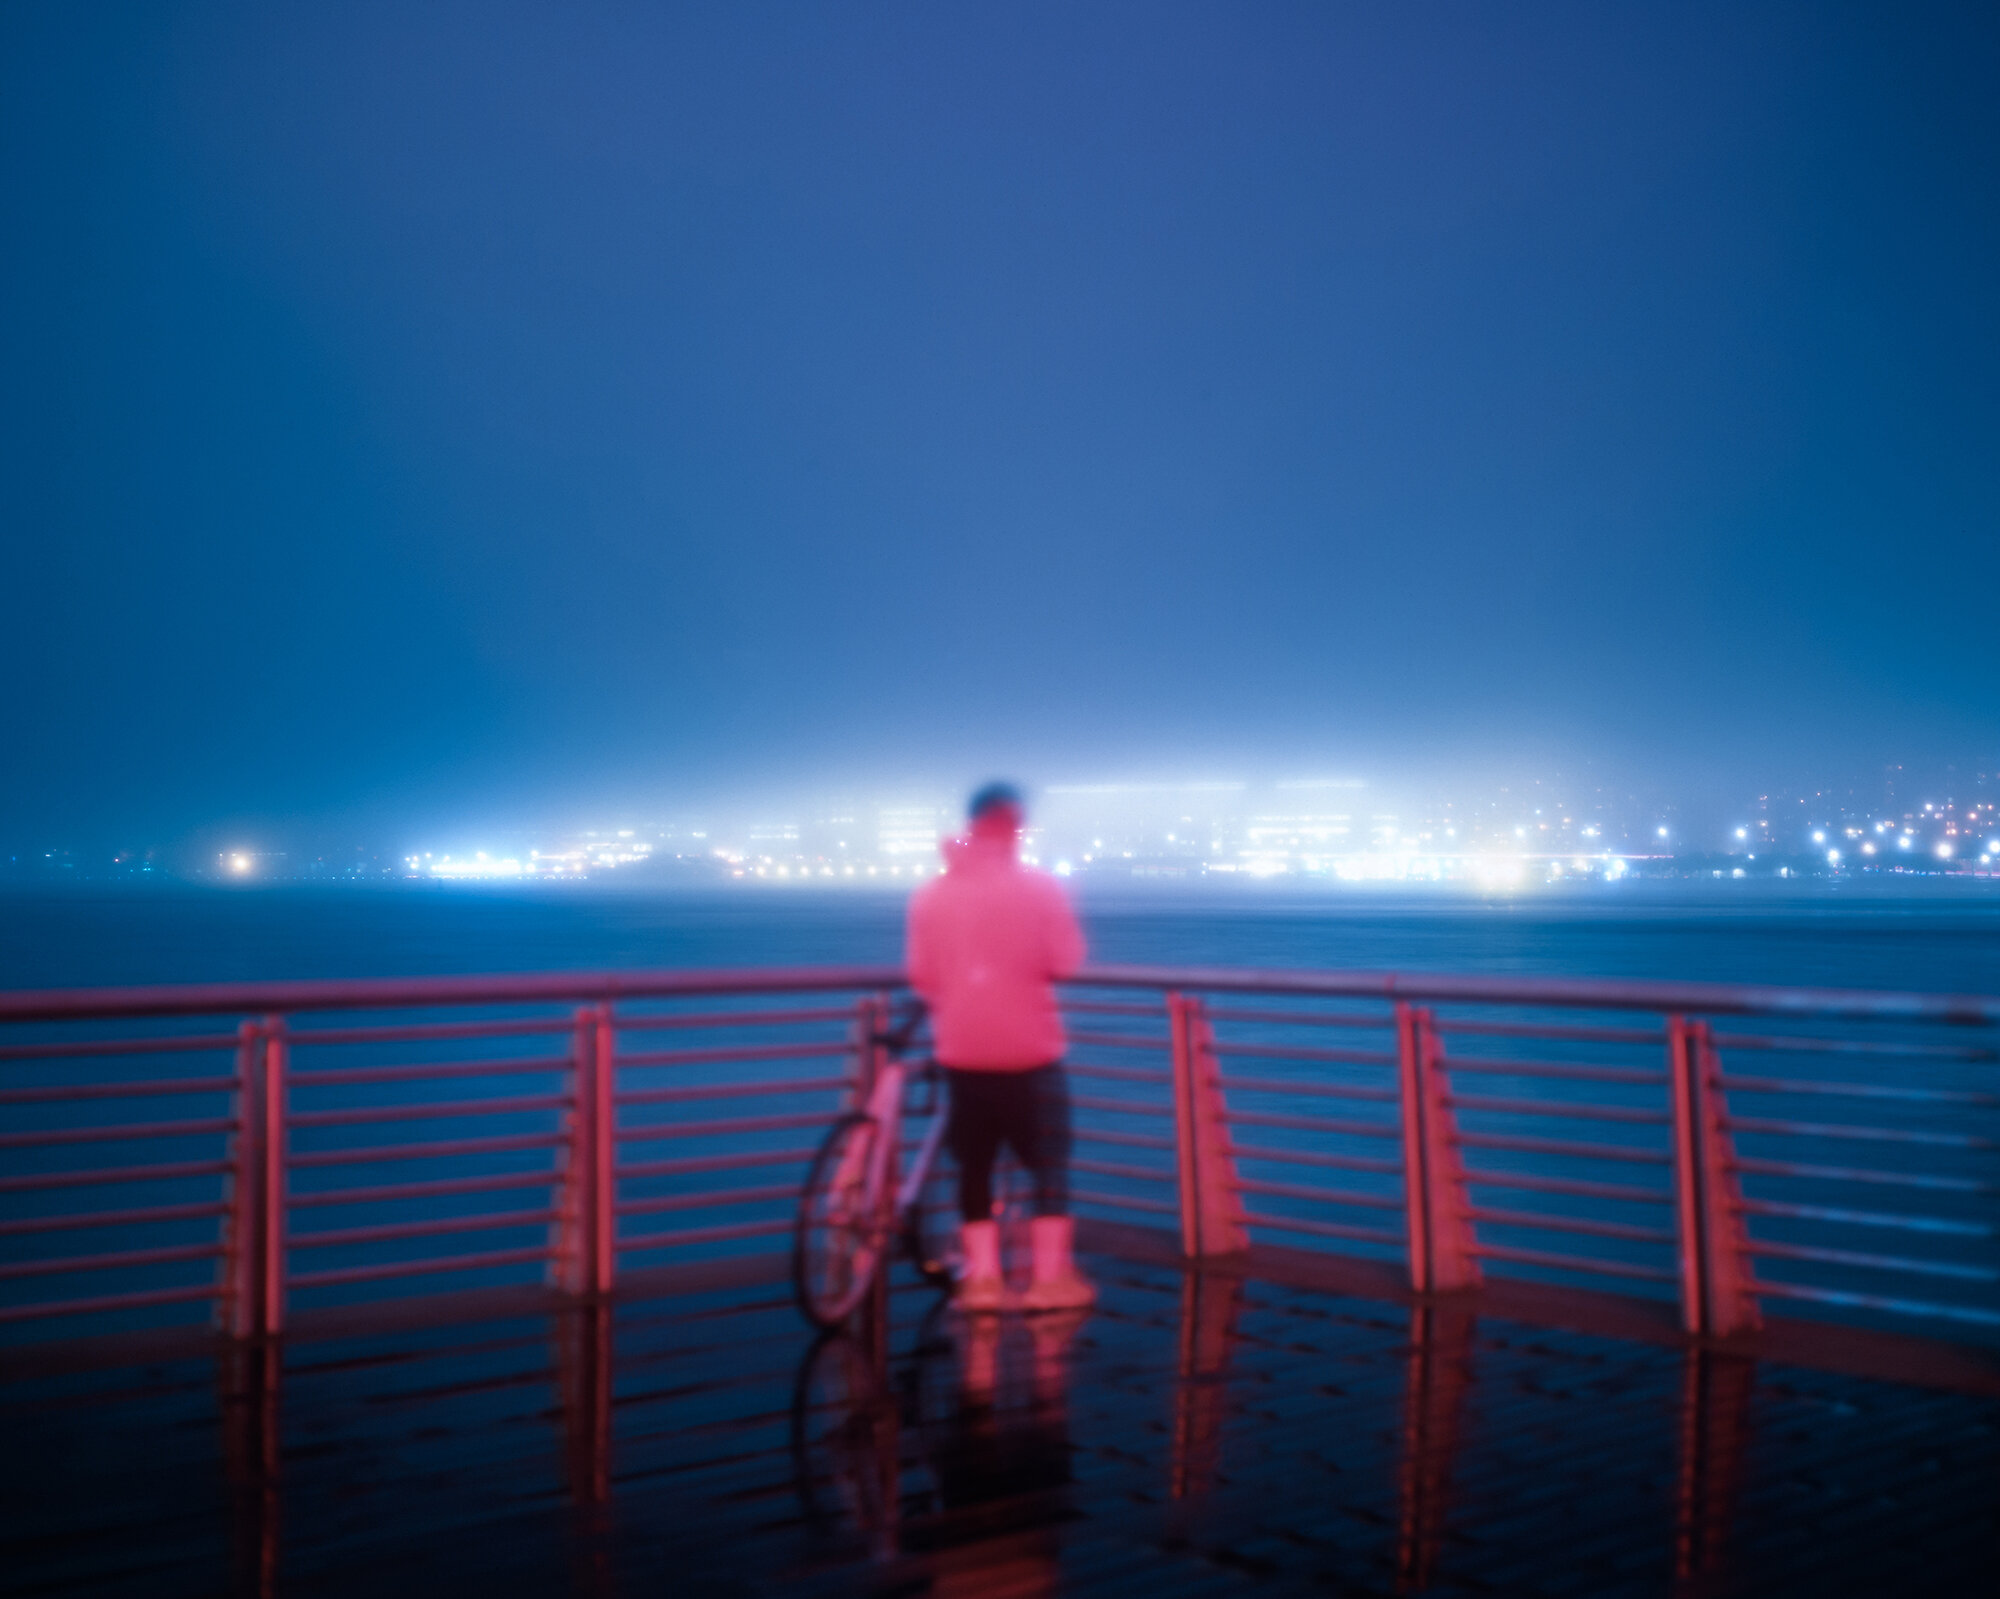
(1943, 939)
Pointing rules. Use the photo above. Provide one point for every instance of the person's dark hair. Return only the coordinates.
(994, 795)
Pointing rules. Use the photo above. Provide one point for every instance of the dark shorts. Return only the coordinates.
(1026, 1111)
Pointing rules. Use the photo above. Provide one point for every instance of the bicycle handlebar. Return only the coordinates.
(897, 1039)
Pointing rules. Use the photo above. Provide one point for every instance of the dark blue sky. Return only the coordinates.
(409, 412)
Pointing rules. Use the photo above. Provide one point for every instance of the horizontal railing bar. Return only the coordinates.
(1887, 1135)
(428, 1227)
(1318, 1124)
(1107, 1007)
(736, 1124)
(1120, 1040)
(426, 1190)
(705, 1235)
(1861, 1174)
(1123, 1107)
(1302, 1157)
(34, 1181)
(449, 1146)
(1093, 1135)
(707, 1201)
(1498, 1067)
(1867, 1218)
(1540, 1257)
(719, 1019)
(1301, 1018)
(1569, 1185)
(1569, 1224)
(580, 987)
(1784, 1085)
(1557, 1146)
(731, 1054)
(1907, 1307)
(1556, 1108)
(331, 1076)
(366, 1114)
(127, 1090)
(1322, 1229)
(1769, 1248)
(412, 1032)
(1277, 1085)
(113, 1218)
(1113, 1168)
(416, 1268)
(123, 1257)
(700, 1163)
(90, 1135)
(1153, 1207)
(677, 1096)
(1853, 1046)
(1121, 1074)
(1587, 1035)
(79, 1307)
(1324, 1196)
(1227, 1050)
(87, 1048)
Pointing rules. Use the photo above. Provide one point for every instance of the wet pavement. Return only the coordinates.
(1195, 1434)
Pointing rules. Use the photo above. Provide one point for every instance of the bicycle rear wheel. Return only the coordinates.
(842, 1226)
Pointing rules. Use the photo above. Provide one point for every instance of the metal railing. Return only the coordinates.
(265, 1147)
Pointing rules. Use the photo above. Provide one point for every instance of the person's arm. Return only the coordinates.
(1064, 937)
(920, 946)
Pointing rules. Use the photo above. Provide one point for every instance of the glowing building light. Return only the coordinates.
(1833, 857)
(1944, 851)
(1819, 838)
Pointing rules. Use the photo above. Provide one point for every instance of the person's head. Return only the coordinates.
(997, 811)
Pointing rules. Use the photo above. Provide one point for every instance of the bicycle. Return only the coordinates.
(852, 1205)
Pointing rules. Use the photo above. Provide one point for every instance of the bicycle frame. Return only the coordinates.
(885, 1106)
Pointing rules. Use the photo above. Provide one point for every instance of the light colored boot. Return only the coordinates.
(1057, 1285)
(982, 1290)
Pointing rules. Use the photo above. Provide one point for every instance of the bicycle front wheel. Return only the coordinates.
(843, 1223)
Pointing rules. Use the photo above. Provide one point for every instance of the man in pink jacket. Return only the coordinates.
(986, 942)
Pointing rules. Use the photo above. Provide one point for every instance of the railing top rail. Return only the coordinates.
(1711, 999)
(212, 999)
(394, 993)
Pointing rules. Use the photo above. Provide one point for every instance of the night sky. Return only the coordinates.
(411, 412)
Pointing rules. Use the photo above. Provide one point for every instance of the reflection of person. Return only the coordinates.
(986, 942)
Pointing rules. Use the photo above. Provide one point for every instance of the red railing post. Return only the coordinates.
(271, 1233)
(569, 1234)
(1416, 1202)
(1716, 1272)
(242, 1260)
(1212, 1220)
(602, 1166)
(1441, 1239)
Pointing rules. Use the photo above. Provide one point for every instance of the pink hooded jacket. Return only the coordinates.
(986, 941)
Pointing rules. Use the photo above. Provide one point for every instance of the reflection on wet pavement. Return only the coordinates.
(1194, 1434)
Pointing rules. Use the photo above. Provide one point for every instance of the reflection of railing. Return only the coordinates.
(430, 1132)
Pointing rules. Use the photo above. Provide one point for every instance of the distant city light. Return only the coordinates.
(239, 864)
(1742, 832)
(1833, 857)
(1944, 851)
(1663, 832)
(1819, 838)
(1903, 842)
